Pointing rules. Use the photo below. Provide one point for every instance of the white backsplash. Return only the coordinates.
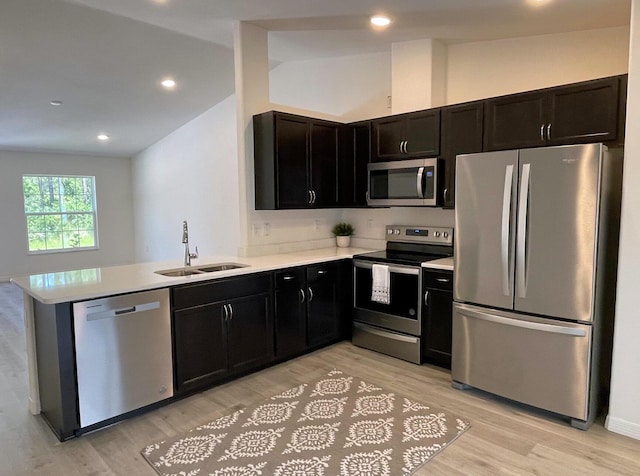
(286, 231)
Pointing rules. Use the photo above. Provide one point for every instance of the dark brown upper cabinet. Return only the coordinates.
(573, 114)
(416, 134)
(461, 134)
(355, 154)
(296, 161)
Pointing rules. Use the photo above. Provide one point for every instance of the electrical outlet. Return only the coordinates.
(316, 224)
(255, 229)
(388, 102)
(266, 228)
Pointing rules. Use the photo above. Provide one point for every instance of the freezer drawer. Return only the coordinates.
(540, 362)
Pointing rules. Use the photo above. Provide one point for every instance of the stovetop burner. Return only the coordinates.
(412, 245)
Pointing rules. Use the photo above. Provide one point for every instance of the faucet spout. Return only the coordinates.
(188, 256)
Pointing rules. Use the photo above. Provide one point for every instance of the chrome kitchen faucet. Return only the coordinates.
(185, 239)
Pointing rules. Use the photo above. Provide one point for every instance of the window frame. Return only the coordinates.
(94, 212)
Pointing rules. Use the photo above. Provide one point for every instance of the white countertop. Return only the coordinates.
(78, 285)
(442, 263)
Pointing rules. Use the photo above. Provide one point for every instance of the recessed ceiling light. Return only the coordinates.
(168, 83)
(380, 20)
(55, 102)
(103, 137)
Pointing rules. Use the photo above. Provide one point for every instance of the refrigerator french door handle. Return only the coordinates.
(504, 235)
(536, 326)
(419, 183)
(521, 240)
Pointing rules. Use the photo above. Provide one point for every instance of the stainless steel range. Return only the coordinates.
(387, 289)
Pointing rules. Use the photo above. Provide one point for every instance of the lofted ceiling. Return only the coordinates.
(104, 59)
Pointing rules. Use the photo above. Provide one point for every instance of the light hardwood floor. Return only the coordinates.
(504, 438)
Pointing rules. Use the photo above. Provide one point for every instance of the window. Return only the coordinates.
(60, 212)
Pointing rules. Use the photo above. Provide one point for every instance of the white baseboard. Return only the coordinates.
(623, 427)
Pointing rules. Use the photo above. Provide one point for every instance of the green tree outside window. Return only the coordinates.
(60, 212)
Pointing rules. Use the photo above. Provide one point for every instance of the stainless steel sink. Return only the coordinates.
(191, 270)
(179, 272)
(220, 267)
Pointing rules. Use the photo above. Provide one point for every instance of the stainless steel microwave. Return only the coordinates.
(405, 183)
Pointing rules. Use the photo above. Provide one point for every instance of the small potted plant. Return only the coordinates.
(343, 232)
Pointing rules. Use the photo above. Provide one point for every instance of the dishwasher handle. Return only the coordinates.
(127, 311)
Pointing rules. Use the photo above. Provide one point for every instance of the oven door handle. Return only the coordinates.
(392, 269)
(385, 334)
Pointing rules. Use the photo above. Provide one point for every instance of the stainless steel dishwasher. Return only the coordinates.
(123, 354)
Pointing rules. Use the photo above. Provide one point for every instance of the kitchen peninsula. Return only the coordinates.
(241, 318)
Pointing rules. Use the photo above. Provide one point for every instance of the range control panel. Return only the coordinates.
(419, 234)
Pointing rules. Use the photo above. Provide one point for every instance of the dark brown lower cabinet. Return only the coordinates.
(290, 316)
(200, 346)
(437, 314)
(215, 338)
(310, 306)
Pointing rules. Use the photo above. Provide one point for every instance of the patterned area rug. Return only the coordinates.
(338, 425)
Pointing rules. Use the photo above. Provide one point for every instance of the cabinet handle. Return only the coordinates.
(230, 312)
(405, 146)
(225, 312)
(288, 277)
(426, 298)
(313, 194)
(310, 294)
(549, 131)
(322, 271)
(301, 296)
(444, 194)
(442, 280)
(542, 132)
(401, 142)
(310, 197)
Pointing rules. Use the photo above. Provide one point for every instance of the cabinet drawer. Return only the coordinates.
(220, 290)
(322, 271)
(438, 279)
(289, 277)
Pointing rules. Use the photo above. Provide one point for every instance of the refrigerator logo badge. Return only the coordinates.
(569, 161)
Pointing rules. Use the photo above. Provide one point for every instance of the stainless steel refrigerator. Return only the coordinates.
(535, 268)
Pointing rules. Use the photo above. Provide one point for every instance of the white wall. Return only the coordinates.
(192, 175)
(624, 407)
(347, 88)
(114, 208)
(492, 68)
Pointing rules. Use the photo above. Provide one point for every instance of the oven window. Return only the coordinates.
(405, 294)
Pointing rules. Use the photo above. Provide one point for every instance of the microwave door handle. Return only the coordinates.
(504, 236)
(419, 181)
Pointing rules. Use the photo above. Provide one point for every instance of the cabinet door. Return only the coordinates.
(323, 155)
(322, 304)
(437, 334)
(422, 133)
(290, 314)
(292, 164)
(387, 135)
(516, 121)
(250, 332)
(461, 134)
(200, 346)
(352, 166)
(583, 113)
